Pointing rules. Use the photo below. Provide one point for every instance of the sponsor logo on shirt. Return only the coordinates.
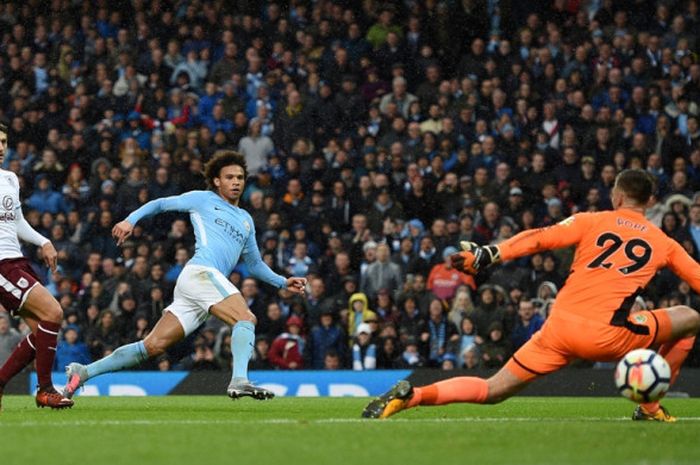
(231, 231)
(7, 216)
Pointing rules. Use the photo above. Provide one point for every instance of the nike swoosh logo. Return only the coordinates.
(217, 208)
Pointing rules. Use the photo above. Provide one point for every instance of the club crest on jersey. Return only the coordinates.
(246, 225)
(640, 319)
(22, 282)
(7, 203)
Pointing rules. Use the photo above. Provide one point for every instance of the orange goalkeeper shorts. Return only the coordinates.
(566, 336)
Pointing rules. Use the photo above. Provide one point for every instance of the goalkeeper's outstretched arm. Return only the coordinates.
(474, 258)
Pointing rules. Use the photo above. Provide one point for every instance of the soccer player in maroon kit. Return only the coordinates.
(23, 295)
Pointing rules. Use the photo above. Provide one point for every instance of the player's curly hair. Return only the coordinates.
(638, 185)
(220, 160)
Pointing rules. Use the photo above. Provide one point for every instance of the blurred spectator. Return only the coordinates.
(273, 323)
(488, 310)
(255, 147)
(104, 337)
(411, 357)
(46, 199)
(495, 350)
(287, 349)
(261, 359)
(201, 359)
(332, 361)
(359, 312)
(364, 351)
(527, 324)
(9, 337)
(382, 274)
(324, 337)
(462, 305)
(317, 302)
(437, 334)
(444, 280)
(69, 349)
(388, 356)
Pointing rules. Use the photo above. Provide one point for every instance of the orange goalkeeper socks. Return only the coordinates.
(675, 354)
(459, 389)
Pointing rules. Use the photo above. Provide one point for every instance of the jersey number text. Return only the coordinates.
(637, 250)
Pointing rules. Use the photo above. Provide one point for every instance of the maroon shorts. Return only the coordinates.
(17, 278)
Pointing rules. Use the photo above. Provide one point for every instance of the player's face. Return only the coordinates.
(3, 145)
(230, 183)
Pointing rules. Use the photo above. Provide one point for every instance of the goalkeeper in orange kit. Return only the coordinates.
(617, 253)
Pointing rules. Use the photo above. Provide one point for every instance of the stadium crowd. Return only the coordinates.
(377, 136)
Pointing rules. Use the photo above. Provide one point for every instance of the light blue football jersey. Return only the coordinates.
(223, 233)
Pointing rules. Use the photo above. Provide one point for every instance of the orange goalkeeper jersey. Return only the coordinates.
(617, 253)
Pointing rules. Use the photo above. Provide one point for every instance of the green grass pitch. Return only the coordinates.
(289, 431)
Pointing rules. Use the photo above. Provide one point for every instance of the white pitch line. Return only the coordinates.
(289, 421)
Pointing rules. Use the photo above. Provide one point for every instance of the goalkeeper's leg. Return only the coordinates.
(469, 389)
(684, 324)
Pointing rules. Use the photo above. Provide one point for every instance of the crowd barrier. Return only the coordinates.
(568, 382)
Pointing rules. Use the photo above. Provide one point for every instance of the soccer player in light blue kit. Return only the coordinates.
(224, 232)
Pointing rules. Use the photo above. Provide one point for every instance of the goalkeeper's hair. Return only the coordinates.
(638, 185)
(220, 160)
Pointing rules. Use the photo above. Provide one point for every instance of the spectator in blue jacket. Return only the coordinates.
(135, 130)
(70, 349)
(217, 121)
(46, 199)
(527, 324)
(326, 336)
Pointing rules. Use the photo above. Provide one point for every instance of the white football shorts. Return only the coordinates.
(196, 290)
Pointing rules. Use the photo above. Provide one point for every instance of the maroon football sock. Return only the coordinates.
(46, 336)
(19, 358)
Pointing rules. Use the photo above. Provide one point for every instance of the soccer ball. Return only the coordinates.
(643, 376)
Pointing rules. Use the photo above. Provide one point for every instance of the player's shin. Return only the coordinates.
(460, 389)
(675, 354)
(124, 357)
(46, 339)
(242, 343)
(19, 358)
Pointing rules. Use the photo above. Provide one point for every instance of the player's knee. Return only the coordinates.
(694, 318)
(249, 316)
(154, 347)
(54, 313)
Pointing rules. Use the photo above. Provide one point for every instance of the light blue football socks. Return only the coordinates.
(242, 344)
(124, 357)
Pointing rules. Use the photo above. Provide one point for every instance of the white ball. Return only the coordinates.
(643, 376)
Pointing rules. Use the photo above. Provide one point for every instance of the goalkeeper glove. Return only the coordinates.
(475, 258)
